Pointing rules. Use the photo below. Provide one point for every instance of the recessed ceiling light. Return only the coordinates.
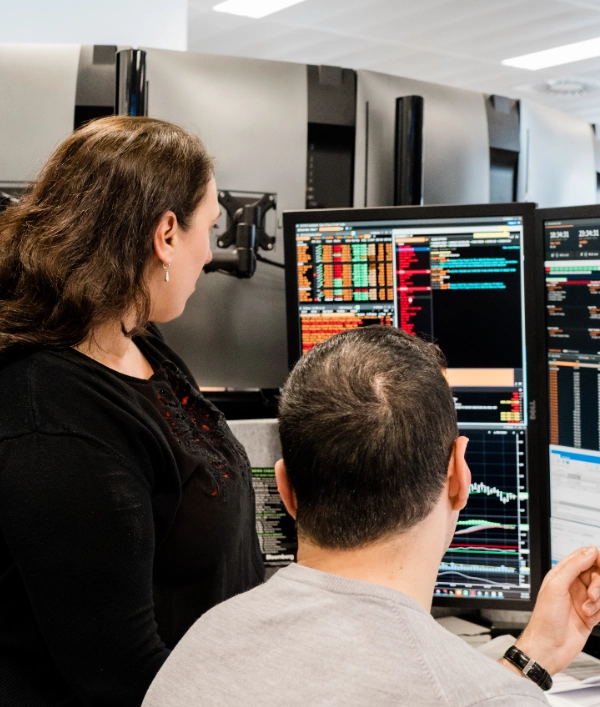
(588, 49)
(254, 8)
(568, 87)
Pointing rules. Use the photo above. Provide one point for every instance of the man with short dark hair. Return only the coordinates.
(374, 471)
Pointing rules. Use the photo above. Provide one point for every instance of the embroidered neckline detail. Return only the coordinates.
(197, 427)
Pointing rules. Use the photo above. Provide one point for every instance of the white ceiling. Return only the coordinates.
(453, 42)
(112, 22)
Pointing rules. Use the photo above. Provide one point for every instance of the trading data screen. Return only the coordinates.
(572, 264)
(458, 282)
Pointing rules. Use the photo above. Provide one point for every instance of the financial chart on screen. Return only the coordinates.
(572, 265)
(458, 282)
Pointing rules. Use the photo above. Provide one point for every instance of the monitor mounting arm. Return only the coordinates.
(246, 232)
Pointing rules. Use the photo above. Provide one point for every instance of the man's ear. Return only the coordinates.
(287, 493)
(459, 475)
(165, 237)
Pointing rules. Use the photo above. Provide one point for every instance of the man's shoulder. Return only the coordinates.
(344, 641)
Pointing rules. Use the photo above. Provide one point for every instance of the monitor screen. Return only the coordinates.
(454, 276)
(572, 272)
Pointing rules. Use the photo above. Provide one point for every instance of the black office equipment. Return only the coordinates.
(131, 97)
(246, 232)
(458, 275)
(408, 151)
(569, 243)
(505, 145)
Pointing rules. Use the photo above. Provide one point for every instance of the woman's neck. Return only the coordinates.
(108, 345)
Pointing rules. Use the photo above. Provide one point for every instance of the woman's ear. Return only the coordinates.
(165, 237)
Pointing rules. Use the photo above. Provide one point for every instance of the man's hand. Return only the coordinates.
(566, 610)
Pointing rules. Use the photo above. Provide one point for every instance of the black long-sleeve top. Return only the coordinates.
(126, 511)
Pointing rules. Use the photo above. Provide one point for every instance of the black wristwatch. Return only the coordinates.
(529, 667)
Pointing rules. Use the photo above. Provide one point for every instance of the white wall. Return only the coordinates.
(155, 23)
(557, 164)
(37, 103)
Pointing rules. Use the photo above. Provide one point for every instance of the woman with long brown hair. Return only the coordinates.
(126, 504)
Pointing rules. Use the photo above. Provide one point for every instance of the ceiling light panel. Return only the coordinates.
(254, 8)
(566, 54)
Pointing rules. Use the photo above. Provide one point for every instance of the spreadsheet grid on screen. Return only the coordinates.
(572, 273)
(458, 282)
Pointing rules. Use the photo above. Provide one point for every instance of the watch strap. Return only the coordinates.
(529, 667)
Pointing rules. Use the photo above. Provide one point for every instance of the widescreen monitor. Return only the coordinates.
(457, 276)
(570, 240)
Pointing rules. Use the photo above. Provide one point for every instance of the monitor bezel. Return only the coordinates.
(534, 336)
(541, 216)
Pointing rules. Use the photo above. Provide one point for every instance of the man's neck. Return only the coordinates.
(407, 562)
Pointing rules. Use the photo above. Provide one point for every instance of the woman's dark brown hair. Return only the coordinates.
(74, 252)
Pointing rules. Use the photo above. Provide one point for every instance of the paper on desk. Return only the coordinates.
(471, 633)
(497, 647)
(460, 627)
(571, 691)
(579, 695)
(584, 667)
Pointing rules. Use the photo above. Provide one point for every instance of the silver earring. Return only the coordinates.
(166, 269)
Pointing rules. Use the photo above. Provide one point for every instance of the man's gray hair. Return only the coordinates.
(367, 425)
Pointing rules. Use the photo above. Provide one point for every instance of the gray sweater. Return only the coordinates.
(309, 638)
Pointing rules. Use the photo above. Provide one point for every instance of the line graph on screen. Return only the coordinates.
(484, 551)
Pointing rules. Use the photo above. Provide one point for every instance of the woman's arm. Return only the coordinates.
(77, 519)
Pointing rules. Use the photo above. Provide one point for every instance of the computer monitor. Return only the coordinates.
(570, 241)
(457, 275)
